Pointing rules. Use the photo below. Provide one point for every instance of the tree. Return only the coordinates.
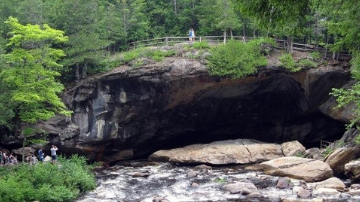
(288, 16)
(227, 19)
(31, 73)
(88, 39)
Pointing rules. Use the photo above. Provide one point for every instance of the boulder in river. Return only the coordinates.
(308, 170)
(239, 151)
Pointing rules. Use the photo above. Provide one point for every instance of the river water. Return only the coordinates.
(141, 181)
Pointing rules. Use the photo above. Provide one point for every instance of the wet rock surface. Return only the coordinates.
(167, 182)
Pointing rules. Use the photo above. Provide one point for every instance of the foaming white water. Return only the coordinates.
(149, 183)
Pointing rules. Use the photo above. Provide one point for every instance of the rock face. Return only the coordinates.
(308, 170)
(240, 151)
(176, 102)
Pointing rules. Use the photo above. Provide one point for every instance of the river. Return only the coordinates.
(142, 181)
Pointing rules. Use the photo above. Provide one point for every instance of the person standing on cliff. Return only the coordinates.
(53, 153)
(191, 34)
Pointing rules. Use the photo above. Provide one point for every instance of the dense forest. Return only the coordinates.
(67, 40)
(97, 28)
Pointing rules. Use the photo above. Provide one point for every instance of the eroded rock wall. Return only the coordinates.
(131, 112)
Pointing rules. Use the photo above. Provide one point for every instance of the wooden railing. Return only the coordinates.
(212, 40)
(174, 40)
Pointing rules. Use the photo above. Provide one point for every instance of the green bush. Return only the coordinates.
(288, 62)
(305, 63)
(156, 55)
(46, 182)
(201, 45)
(236, 59)
(315, 55)
(160, 55)
(133, 54)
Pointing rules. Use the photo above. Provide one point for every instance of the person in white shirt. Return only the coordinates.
(53, 153)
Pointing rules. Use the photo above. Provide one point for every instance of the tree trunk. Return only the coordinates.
(77, 72)
(244, 30)
(84, 70)
(317, 32)
(231, 34)
(289, 44)
(23, 149)
(175, 9)
(225, 36)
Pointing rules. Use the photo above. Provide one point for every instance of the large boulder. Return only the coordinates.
(338, 158)
(308, 170)
(239, 151)
(333, 183)
(352, 170)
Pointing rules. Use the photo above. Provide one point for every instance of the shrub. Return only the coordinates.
(305, 63)
(160, 55)
(133, 54)
(235, 59)
(288, 62)
(46, 182)
(156, 55)
(201, 45)
(315, 55)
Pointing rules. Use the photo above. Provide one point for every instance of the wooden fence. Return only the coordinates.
(212, 40)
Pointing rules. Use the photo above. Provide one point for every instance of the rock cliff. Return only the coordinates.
(131, 112)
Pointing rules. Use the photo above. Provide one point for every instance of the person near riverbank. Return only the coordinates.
(41, 155)
(32, 159)
(53, 153)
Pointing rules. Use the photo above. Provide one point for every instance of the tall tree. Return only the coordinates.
(81, 21)
(227, 19)
(276, 15)
(31, 73)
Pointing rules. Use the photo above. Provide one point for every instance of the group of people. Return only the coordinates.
(8, 159)
(40, 155)
(12, 160)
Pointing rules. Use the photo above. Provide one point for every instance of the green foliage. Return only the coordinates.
(306, 63)
(132, 54)
(315, 55)
(345, 97)
(328, 150)
(288, 62)
(160, 55)
(236, 59)
(299, 154)
(201, 45)
(32, 71)
(46, 182)
(220, 180)
(357, 139)
(156, 55)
